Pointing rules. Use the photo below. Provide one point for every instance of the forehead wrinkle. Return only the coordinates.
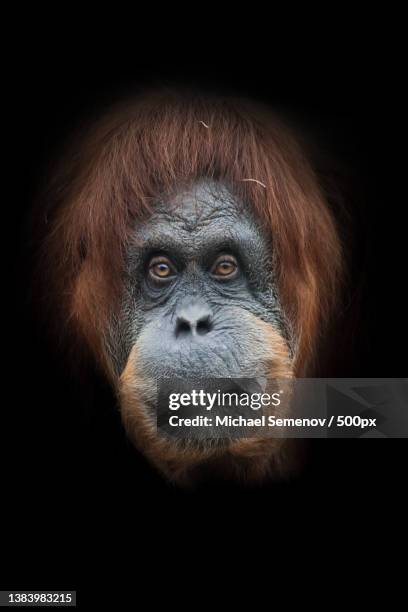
(202, 203)
(203, 239)
(192, 215)
(205, 216)
(169, 228)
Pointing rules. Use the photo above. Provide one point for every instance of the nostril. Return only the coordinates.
(203, 326)
(185, 327)
(182, 328)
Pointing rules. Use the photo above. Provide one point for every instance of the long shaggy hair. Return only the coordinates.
(149, 147)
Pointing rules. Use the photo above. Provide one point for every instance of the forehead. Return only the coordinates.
(202, 204)
(205, 211)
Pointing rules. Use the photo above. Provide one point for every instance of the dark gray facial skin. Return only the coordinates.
(194, 323)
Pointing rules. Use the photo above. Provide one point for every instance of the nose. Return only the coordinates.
(194, 319)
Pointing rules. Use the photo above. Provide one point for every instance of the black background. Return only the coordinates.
(80, 507)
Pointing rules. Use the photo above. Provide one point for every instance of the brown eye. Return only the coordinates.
(225, 267)
(161, 268)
